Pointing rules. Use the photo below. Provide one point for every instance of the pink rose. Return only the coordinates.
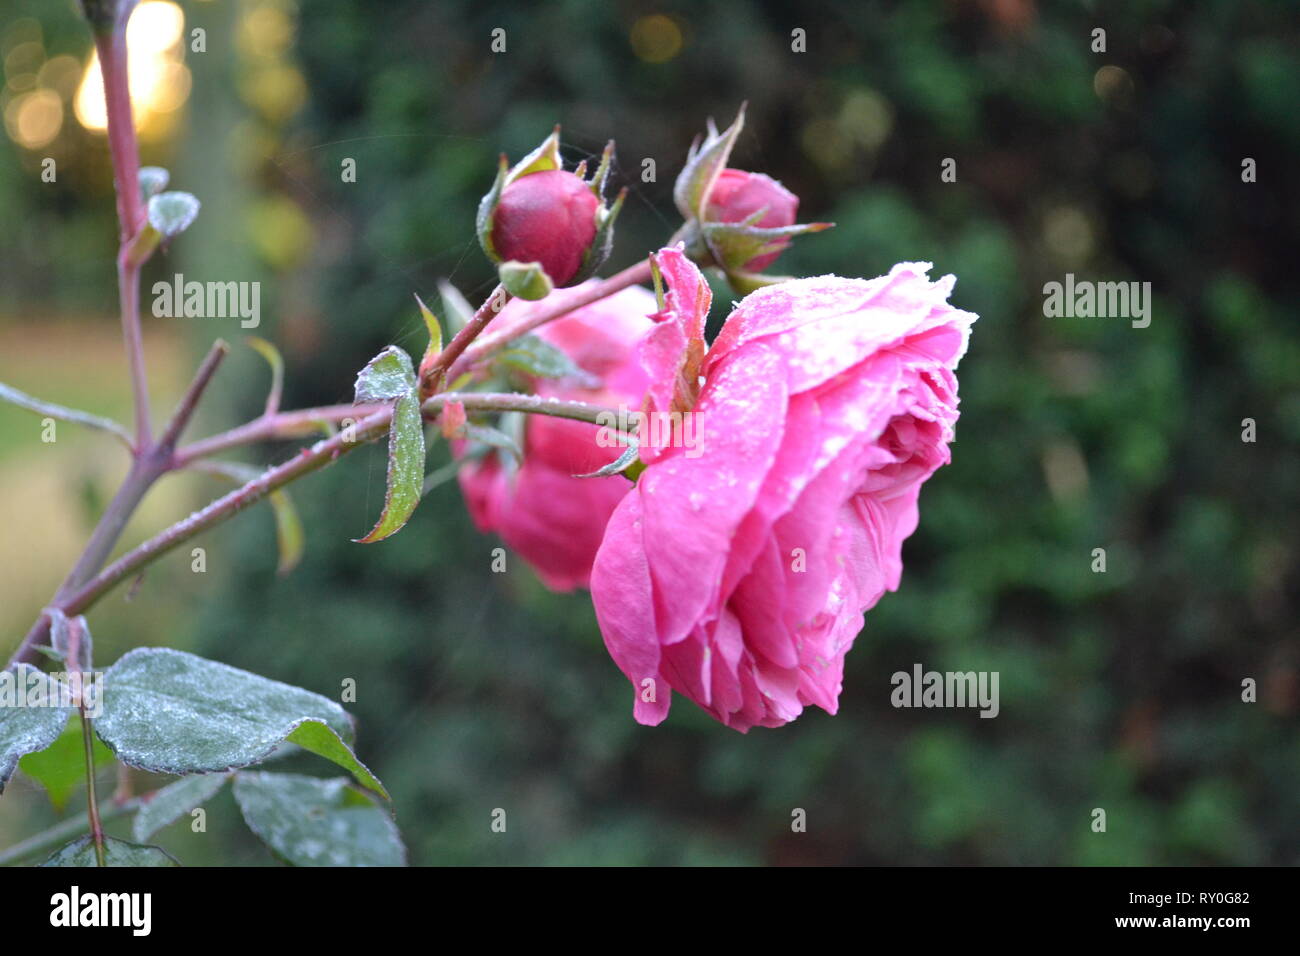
(547, 217)
(739, 576)
(551, 519)
(737, 195)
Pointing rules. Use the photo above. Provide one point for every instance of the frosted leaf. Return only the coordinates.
(174, 801)
(116, 853)
(307, 821)
(167, 711)
(26, 729)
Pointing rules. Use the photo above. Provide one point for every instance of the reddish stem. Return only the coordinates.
(122, 146)
(431, 377)
(557, 305)
(125, 154)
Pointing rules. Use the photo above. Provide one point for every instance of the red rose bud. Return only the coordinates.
(536, 212)
(547, 217)
(737, 195)
(736, 221)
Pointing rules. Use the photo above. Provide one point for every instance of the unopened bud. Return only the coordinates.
(537, 212)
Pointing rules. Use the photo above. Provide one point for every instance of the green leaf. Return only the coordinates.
(495, 438)
(174, 801)
(734, 244)
(324, 742)
(288, 531)
(167, 711)
(602, 243)
(440, 476)
(172, 213)
(619, 465)
(455, 306)
(12, 395)
(743, 283)
(544, 158)
(487, 207)
(387, 376)
(61, 767)
(116, 853)
(26, 729)
(153, 180)
(405, 468)
(435, 330)
(704, 163)
(276, 361)
(525, 280)
(601, 175)
(534, 356)
(311, 822)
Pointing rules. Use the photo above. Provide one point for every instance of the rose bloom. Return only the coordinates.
(541, 511)
(739, 577)
(547, 217)
(737, 195)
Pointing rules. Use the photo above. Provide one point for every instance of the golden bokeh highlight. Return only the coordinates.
(61, 74)
(266, 31)
(1112, 84)
(34, 119)
(1068, 233)
(281, 232)
(656, 38)
(21, 64)
(158, 78)
(277, 91)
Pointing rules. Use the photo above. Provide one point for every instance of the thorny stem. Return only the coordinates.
(110, 43)
(145, 470)
(430, 378)
(372, 426)
(189, 402)
(280, 425)
(560, 303)
(122, 146)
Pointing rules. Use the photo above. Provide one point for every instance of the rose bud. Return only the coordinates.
(736, 221)
(737, 195)
(547, 217)
(546, 227)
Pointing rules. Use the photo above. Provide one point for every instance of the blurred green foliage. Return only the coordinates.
(1119, 690)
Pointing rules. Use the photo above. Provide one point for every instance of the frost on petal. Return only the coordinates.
(693, 506)
(826, 325)
(826, 404)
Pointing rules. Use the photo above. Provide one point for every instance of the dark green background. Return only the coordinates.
(477, 690)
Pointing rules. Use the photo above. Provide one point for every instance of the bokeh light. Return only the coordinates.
(159, 79)
(34, 119)
(656, 38)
